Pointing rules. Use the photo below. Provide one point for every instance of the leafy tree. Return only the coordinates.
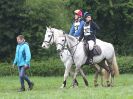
(115, 18)
(11, 24)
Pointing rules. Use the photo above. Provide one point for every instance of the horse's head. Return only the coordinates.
(48, 38)
(61, 43)
(51, 36)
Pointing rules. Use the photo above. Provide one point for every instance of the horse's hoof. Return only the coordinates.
(111, 85)
(74, 86)
(108, 85)
(62, 86)
(103, 85)
(86, 86)
(96, 85)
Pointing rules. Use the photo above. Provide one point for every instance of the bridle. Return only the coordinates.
(69, 49)
(63, 45)
(48, 42)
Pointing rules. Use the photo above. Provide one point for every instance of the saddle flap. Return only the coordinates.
(96, 50)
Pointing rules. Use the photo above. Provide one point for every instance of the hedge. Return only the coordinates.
(54, 67)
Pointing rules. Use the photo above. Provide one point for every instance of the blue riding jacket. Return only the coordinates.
(76, 30)
(23, 55)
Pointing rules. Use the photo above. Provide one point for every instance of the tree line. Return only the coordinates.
(30, 17)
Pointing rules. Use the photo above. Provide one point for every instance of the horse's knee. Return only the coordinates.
(99, 71)
(65, 75)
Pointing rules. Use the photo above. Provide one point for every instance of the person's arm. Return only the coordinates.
(77, 33)
(16, 56)
(27, 54)
(72, 30)
(96, 27)
(82, 34)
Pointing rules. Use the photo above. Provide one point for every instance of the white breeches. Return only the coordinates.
(91, 44)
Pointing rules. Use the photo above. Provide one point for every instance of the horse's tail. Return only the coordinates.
(115, 66)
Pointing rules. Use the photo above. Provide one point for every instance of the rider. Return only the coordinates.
(77, 24)
(88, 32)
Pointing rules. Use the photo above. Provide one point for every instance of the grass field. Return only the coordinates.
(49, 88)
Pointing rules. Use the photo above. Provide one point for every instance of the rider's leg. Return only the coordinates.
(91, 46)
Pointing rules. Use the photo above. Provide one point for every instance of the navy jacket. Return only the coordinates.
(93, 28)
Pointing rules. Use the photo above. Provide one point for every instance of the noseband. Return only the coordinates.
(50, 38)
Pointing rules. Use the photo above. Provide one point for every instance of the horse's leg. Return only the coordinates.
(75, 75)
(84, 77)
(102, 74)
(105, 76)
(72, 75)
(106, 67)
(112, 73)
(67, 70)
(96, 75)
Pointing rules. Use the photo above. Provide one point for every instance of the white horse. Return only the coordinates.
(79, 56)
(51, 37)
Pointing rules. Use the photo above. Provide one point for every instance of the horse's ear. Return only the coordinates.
(46, 27)
(65, 35)
(50, 27)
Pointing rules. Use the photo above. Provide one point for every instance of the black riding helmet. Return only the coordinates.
(86, 14)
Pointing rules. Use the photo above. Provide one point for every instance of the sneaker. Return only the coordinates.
(31, 86)
(21, 90)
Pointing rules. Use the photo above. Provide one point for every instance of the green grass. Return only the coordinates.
(48, 88)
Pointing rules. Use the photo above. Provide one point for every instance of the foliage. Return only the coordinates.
(29, 18)
(115, 19)
(40, 14)
(54, 67)
(10, 23)
(125, 64)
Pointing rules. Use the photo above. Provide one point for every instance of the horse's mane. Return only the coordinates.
(57, 32)
(72, 38)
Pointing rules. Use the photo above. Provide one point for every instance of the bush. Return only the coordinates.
(125, 64)
(54, 67)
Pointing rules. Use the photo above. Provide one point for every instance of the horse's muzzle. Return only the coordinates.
(58, 50)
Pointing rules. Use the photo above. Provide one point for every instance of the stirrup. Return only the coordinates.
(91, 61)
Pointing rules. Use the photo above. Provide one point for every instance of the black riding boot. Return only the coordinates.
(90, 58)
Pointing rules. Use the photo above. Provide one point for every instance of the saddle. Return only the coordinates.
(96, 50)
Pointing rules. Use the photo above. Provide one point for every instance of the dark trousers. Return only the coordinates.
(23, 76)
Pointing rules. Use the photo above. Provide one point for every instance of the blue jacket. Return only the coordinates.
(77, 33)
(23, 55)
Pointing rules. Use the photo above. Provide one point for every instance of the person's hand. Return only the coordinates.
(79, 40)
(26, 67)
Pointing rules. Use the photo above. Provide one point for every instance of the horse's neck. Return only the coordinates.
(71, 44)
(57, 34)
